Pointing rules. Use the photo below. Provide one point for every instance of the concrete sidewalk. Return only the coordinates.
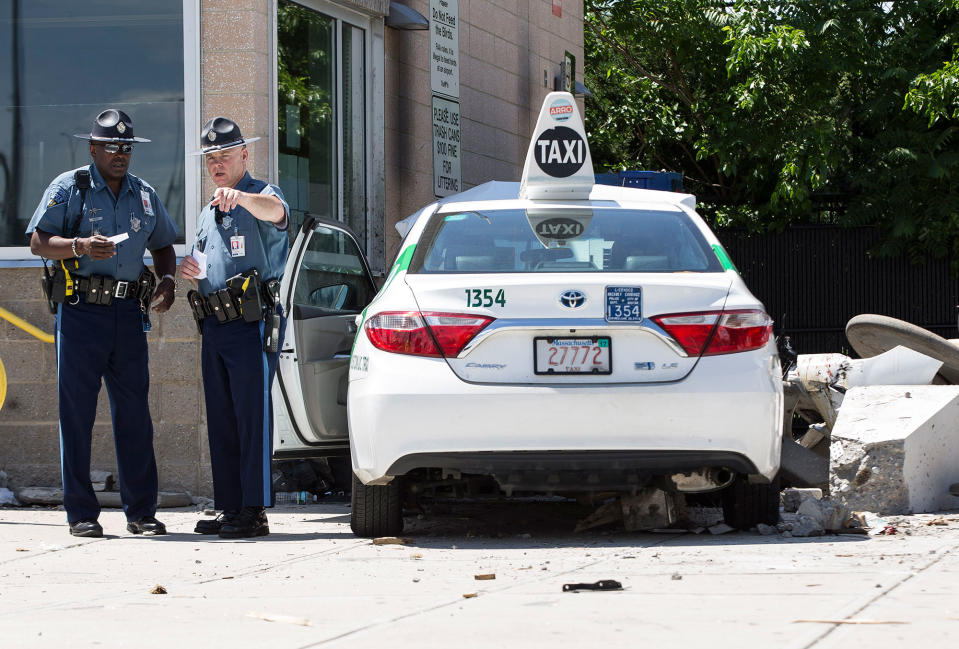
(311, 583)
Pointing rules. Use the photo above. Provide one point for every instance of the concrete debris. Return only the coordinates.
(830, 516)
(821, 380)
(202, 503)
(650, 509)
(793, 497)
(799, 525)
(893, 455)
(721, 528)
(7, 497)
(392, 540)
(766, 530)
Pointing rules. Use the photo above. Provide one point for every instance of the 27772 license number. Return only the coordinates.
(568, 355)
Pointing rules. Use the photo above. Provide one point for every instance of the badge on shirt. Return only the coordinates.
(134, 224)
(238, 245)
(227, 222)
(147, 205)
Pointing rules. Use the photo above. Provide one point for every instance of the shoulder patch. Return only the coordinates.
(59, 196)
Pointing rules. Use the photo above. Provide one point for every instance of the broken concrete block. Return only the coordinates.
(799, 525)
(829, 515)
(649, 509)
(721, 528)
(7, 497)
(895, 449)
(766, 530)
(793, 497)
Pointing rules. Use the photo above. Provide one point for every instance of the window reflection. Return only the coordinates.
(65, 62)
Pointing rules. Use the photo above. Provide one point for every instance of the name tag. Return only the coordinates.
(147, 205)
(238, 245)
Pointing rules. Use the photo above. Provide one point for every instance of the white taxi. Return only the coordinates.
(552, 335)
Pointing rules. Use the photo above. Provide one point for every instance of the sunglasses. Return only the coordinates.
(112, 147)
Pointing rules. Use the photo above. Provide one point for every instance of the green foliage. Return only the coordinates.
(775, 111)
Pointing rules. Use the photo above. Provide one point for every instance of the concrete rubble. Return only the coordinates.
(883, 429)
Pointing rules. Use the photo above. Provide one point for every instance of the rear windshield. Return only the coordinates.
(556, 241)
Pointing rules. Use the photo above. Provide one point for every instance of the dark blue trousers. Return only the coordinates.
(105, 342)
(237, 377)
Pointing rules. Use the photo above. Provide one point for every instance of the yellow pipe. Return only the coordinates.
(3, 385)
(26, 326)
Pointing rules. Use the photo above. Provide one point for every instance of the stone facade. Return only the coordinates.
(507, 47)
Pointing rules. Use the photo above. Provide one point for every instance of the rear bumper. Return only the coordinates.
(413, 413)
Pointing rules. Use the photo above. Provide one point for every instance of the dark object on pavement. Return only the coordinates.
(602, 584)
(86, 527)
(871, 335)
(146, 525)
(207, 526)
(250, 522)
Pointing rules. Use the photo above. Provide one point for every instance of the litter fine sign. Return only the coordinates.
(447, 174)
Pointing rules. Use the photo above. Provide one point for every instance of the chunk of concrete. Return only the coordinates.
(895, 449)
(793, 498)
(829, 515)
(54, 496)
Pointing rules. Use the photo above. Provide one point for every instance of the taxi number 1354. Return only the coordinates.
(485, 297)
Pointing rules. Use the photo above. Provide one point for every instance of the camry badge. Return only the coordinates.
(572, 299)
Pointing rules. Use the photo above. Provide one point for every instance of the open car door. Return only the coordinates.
(327, 282)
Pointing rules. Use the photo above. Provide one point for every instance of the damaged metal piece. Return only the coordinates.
(602, 584)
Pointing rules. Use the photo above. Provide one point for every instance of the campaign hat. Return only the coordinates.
(219, 134)
(112, 125)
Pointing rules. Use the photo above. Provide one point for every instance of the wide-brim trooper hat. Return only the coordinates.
(219, 134)
(112, 125)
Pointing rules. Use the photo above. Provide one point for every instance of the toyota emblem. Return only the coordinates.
(572, 299)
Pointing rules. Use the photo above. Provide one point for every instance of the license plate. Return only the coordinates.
(568, 355)
(624, 304)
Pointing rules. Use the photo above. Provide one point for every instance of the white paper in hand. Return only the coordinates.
(200, 258)
(123, 236)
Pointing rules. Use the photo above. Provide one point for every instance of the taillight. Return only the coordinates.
(423, 334)
(726, 332)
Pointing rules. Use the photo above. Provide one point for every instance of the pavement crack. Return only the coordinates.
(882, 593)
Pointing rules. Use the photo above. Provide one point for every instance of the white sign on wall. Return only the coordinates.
(447, 174)
(445, 47)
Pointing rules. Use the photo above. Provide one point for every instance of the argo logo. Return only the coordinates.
(561, 110)
(559, 152)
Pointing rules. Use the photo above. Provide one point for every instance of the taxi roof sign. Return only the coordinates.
(558, 163)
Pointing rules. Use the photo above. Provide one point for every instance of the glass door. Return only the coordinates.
(322, 115)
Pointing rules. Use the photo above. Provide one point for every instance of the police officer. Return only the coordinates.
(102, 292)
(241, 230)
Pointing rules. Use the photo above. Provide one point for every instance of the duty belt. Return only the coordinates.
(245, 296)
(96, 285)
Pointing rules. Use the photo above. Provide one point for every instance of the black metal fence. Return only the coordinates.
(813, 279)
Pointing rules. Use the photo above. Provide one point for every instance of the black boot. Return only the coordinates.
(251, 521)
(207, 526)
(88, 527)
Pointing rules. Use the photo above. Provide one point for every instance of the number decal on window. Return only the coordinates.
(485, 297)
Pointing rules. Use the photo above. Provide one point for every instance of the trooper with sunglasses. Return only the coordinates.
(94, 224)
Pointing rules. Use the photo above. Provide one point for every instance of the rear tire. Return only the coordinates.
(377, 510)
(746, 505)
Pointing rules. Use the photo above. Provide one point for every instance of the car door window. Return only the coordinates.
(331, 275)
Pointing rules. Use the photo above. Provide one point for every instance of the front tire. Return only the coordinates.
(746, 505)
(377, 510)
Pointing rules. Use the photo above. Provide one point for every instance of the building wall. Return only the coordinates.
(505, 47)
